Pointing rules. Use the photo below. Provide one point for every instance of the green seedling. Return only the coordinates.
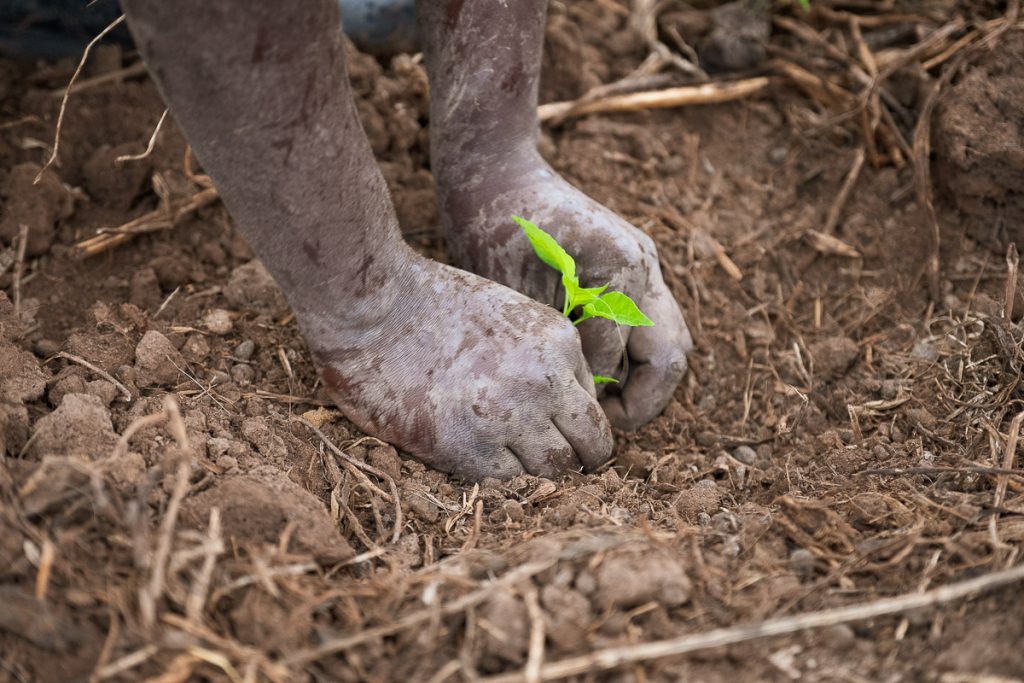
(591, 302)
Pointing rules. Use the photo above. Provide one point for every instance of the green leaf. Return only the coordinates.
(579, 296)
(549, 251)
(618, 307)
(601, 379)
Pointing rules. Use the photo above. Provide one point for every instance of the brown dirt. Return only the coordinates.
(774, 484)
(980, 156)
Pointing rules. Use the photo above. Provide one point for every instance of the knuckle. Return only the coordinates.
(563, 335)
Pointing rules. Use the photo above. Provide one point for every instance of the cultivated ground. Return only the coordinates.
(845, 433)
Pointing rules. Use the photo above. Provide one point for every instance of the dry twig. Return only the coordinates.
(1009, 455)
(161, 218)
(844, 193)
(212, 548)
(825, 243)
(334, 645)
(67, 92)
(99, 371)
(615, 657)
(19, 268)
(130, 71)
(644, 19)
(358, 468)
(707, 93)
(149, 147)
(46, 557)
(535, 656)
(150, 594)
(1010, 289)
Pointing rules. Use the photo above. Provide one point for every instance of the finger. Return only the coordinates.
(544, 452)
(584, 376)
(604, 343)
(657, 361)
(584, 426)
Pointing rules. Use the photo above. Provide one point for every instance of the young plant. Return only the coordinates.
(592, 302)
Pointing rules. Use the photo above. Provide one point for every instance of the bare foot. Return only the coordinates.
(467, 375)
(478, 208)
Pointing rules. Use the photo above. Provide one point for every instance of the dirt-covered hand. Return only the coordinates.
(467, 375)
(649, 361)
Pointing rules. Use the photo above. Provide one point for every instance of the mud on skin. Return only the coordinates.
(468, 376)
(483, 60)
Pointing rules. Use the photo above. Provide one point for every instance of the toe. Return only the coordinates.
(500, 463)
(583, 425)
(545, 452)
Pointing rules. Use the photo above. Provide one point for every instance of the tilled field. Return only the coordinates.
(178, 501)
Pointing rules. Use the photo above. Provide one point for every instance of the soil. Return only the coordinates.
(828, 446)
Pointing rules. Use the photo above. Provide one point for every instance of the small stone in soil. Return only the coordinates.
(244, 350)
(508, 613)
(707, 438)
(251, 286)
(745, 454)
(242, 373)
(777, 155)
(218, 321)
(218, 377)
(196, 348)
(513, 509)
(838, 636)
(414, 499)
(802, 562)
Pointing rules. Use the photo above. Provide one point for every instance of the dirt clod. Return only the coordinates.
(112, 183)
(21, 377)
(703, 497)
(629, 580)
(80, 426)
(251, 286)
(157, 361)
(979, 144)
(833, 356)
(508, 627)
(739, 33)
(386, 458)
(256, 508)
(39, 206)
